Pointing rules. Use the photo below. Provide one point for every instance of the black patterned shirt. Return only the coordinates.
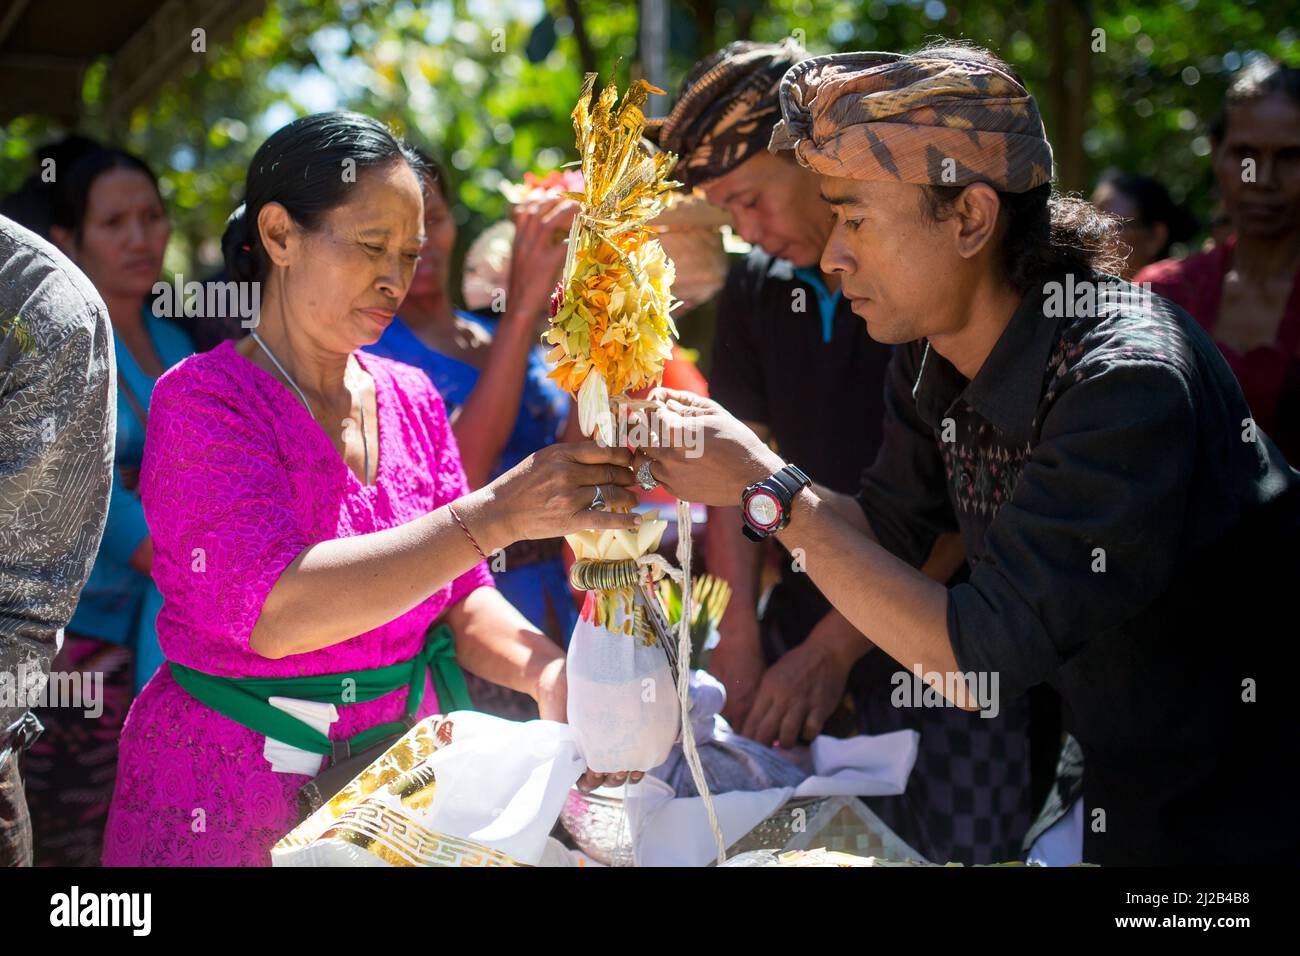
(57, 424)
(1131, 538)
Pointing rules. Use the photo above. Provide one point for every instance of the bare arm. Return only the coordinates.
(844, 640)
(337, 589)
(340, 588)
(486, 419)
(482, 425)
(799, 692)
(496, 642)
(945, 557)
(141, 560)
(904, 611)
(846, 508)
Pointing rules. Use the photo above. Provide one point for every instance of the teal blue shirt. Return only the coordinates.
(827, 301)
(119, 604)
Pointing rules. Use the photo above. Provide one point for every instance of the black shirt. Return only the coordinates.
(821, 396)
(1130, 546)
(817, 381)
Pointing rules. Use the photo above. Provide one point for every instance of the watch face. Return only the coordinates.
(763, 509)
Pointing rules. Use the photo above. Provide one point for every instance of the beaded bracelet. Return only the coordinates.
(452, 512)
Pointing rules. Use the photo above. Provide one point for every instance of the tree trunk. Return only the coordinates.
(1069, 27)
(586, 52)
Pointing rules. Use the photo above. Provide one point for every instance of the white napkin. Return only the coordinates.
(285, 758)
(674, 831)
(502, 783)
(865, 766)
(670, 831)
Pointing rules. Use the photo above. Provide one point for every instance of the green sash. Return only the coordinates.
(244, 699)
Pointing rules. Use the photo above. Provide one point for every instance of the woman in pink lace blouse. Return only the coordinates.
(308, 507)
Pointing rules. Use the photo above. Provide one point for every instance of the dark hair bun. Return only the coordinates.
(238, 248)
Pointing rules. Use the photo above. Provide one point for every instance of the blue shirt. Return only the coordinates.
(827, 302)
(116, 600)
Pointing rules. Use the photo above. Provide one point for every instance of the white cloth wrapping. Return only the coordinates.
(622, 700)
(502, 783)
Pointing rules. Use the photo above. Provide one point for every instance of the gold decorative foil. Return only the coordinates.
(379, 813)
(611, 327)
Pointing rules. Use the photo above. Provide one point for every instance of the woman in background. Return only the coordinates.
(1246, 292)
(107, 216)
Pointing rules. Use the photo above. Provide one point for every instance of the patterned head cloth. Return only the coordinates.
(727, 108)
(925, 120)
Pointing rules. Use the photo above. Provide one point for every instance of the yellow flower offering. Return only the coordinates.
(612, 327)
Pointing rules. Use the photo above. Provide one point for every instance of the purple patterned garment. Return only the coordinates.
(237, 479)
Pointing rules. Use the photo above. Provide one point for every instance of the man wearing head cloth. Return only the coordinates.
(792, 361)
(1126, 526)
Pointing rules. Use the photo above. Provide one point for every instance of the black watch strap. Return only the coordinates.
(792, 479)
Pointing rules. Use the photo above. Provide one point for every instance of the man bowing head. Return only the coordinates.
(1085, 438)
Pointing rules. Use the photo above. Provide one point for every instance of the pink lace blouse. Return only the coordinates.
(237, 480)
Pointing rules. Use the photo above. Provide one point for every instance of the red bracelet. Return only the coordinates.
(452, 512)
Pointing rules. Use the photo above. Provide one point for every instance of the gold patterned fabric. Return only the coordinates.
(727, 108)
(925, 120)
(375, 819)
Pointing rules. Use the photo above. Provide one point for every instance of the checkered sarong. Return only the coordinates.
(968, 799)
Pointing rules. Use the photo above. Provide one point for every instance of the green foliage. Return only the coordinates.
(489, 87)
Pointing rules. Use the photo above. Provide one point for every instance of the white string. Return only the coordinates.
(658, 563)
(684, 674)
(365, 441)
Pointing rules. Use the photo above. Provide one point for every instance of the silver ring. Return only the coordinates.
(645, 477)
(598, 500)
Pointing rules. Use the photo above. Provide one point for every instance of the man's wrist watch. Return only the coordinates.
(765, 505)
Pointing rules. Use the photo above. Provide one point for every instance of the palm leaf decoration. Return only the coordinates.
(709, 599)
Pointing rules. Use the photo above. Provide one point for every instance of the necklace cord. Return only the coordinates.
(365, 441)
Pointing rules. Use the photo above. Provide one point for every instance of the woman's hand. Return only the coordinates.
(552, 696)
(550, 493)
(700, 452)
(537, 255)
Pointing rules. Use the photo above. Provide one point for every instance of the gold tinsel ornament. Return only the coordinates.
(611, 332)
(612, 327)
